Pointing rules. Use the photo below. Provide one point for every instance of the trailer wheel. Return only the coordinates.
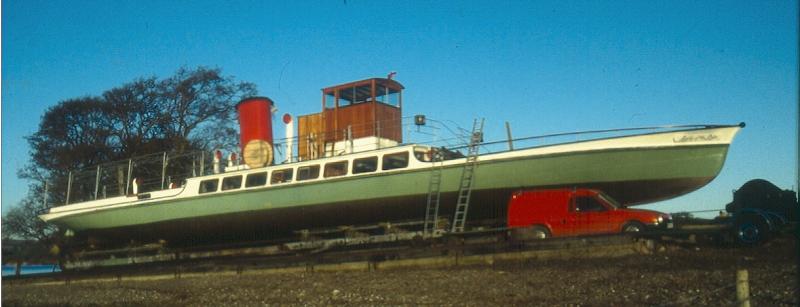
(750, 230)
(633, 227)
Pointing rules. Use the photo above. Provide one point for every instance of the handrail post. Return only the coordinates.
(510, 140)
(97, 182)
(69, 187)
(128, 179)
(350, 138)
(378, 133)
(202, 163)
(163, 169)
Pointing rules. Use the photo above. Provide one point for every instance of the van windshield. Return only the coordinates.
(612, 202)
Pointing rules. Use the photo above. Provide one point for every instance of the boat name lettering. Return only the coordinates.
(696, 138)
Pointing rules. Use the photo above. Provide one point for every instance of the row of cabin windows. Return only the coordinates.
(332, 169)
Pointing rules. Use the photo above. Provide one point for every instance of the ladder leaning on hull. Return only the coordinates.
(434, 192)
(467, 177)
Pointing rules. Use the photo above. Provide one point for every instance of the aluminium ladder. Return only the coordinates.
(467, 177)
(434, 193)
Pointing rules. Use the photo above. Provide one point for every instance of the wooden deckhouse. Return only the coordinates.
(356, 116)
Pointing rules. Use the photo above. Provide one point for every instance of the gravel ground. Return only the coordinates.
(673, 277)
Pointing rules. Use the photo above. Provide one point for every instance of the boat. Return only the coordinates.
(353, 168)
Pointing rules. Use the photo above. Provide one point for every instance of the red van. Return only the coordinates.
(574, 212)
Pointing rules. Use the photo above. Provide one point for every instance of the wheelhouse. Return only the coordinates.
(356, 116)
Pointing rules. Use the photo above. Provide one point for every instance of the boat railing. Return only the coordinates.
(152, 172)
(447, 134)
(510, 144)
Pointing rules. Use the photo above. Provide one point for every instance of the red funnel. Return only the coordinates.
(255, 130)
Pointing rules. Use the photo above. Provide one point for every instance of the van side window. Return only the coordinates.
(281, 176)
(395, 161)
(335, 169)
(588, 204)
(208, 186)
(256, 180)
(365, 165)
(230, 183)
(307, 172)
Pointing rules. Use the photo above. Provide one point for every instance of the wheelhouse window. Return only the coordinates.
(335, 169)
(395, 161)
(394, 98)
(208, 186)
(348, 96)
(230, 183)
(365, 165)
(307, 172)
(281, 176)
(330, 100)
(256, 180)
(387, 95)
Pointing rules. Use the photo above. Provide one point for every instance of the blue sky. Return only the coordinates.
(543, 66)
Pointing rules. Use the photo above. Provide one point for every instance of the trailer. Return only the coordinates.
(760, 210)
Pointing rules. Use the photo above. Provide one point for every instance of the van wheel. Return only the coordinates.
(530, 233)
(632, 227)
(540, 232)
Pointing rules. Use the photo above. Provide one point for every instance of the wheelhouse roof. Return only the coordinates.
(378, 81)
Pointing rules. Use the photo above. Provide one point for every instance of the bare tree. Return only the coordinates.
(22, 223)
(200, 103)
(190, 110)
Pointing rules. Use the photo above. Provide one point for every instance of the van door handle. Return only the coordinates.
(563, 221)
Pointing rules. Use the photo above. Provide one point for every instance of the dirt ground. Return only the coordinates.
(677, 276)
